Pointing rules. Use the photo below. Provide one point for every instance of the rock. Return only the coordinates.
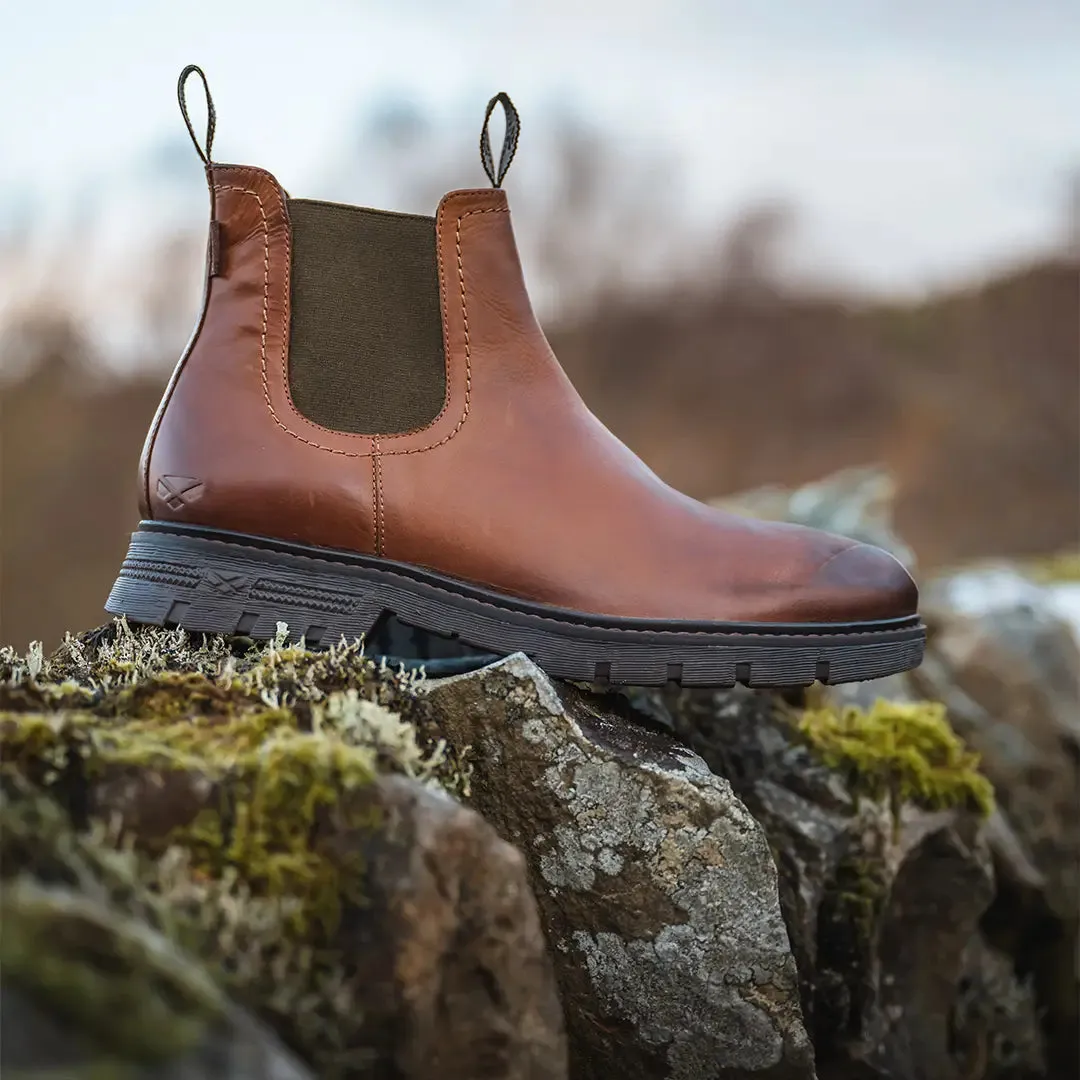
(297, 830)
(1003, 657)
(995, 1020)
(881, 896)
(1011, 680)
(993, 586)
(90, 991)
(1007, 665)
(468, 982)
(658, 892)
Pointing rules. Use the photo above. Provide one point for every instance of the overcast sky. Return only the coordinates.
(922, 139)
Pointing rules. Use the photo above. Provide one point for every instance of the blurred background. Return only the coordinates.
(767, 241)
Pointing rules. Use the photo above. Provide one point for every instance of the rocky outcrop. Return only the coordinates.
(662, 906)
(388, 874)
(282, 823)
(882, 884)
(1006, 663)
(1002, 659)
(657, 888)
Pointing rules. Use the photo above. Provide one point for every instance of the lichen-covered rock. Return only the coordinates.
(297, 832)
(657, 888)
(875, 822)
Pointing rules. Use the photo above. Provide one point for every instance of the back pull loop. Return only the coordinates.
(510, 139)
(211, 117)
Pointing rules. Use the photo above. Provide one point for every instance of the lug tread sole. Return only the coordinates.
(210, 581)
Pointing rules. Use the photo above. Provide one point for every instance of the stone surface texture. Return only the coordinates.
(658, 891)
(880, 907)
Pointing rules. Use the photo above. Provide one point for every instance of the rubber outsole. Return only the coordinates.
(212, 581)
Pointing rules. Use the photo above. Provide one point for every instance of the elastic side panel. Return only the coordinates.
(365, 342)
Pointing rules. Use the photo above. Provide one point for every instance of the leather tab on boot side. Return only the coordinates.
(213, 254)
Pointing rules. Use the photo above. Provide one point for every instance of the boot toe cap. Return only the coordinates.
(863, 582)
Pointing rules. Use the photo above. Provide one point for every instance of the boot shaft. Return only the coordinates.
(324, 342)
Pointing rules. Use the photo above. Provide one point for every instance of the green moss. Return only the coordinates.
(900, 752)
(270, 784)
(246, 942)
(859, 894)
(102, 1069)
(82, 937)
(847, 931)
(40, 745)
(267, 826)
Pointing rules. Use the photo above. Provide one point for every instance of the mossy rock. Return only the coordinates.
(98, 984)
(874, 818)
(227, 780)
(108, 976)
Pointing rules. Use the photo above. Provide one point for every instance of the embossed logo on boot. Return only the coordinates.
(225, 582)
(177, 491)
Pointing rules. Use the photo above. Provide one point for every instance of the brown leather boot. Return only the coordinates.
(368, 419)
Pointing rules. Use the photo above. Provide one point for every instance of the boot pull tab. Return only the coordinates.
(510, 139)
(211, 116)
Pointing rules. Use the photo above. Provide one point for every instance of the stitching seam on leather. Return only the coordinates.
(266, 289)
(375, 502)
(284, 354)
(376, 468)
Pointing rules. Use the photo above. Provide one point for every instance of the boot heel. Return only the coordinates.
(203, 586)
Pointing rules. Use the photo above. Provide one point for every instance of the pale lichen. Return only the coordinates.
(196, 695)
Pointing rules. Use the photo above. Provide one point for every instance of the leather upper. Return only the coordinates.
(515, 485)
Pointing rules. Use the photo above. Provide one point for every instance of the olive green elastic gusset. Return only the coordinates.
(366, 343)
